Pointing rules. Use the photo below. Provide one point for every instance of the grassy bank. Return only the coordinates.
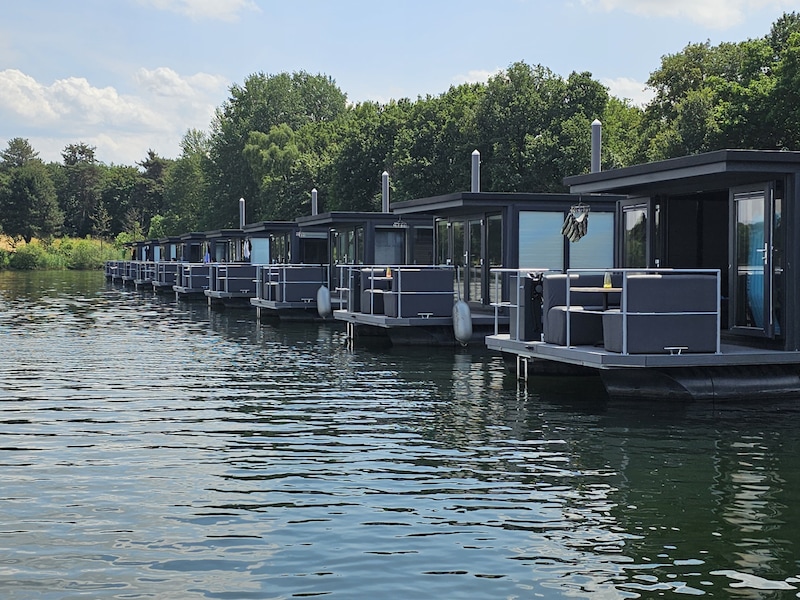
(58, 254)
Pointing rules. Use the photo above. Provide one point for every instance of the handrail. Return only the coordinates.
(518, 303)
(392, 269)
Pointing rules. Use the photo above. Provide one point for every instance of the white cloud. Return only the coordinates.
(163, 81)
(716, 14)
(122, 127)
(625, 88)
(475, 76)
(222, 10)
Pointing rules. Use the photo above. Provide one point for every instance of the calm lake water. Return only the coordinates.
(154, 449)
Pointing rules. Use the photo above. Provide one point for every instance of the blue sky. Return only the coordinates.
(126, 76)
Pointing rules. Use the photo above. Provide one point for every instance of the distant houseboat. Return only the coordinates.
(703, 300)
(287, 282)
(191, 278)
(166, 268)
(356, 240)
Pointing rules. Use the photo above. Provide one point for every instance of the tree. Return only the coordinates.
(18, 153)
(740, 95)
(117, 190)
(81, 193)
(367, 143)
(186, 202)
(433, 149)
(535, 127)
(785, 98)
(29, 204)
(148, 198)
(263, 102)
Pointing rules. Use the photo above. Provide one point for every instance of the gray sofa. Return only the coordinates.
(424, 292)
(657, 319)
(586, 319)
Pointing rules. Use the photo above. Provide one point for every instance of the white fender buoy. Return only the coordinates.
(324, 302)
(462, 322)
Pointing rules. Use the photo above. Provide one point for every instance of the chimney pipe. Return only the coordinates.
(385, 191)
(597, 134)
(476, 171)
(241, 213)
(314, 205)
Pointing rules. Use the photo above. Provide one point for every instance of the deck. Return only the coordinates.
(415, 331)
(595, 357)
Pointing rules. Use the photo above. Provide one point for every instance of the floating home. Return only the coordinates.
(702, 302)
(141, 271)
(166, 268)
(191, 278)
(360, 240)
(474, 238)
(288, 282)
(231, 274)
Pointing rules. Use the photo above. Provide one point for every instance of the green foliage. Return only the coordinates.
(28, 258)
(742, 95)
(28, 202)
(263, 102)
(18, 153)
(63, 253)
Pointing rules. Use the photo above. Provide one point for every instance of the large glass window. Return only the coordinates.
(595, 250)
(442, 242)
(475, 273)
(389, 246)
(541, 244)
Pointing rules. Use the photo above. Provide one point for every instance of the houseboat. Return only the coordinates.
(702, 302)
(231, 274)
(459, 292)
(191, 277)
(356, 240)
(287, 282)
(140, 270)
(166, 268)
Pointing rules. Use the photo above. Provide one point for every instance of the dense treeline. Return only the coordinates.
(278, 136)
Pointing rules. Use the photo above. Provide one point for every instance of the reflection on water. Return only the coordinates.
(154, 449)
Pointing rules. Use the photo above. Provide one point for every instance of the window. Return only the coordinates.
(595, 250)
(541, 244)
(634, 236)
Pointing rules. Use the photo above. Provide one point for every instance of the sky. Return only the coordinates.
(129, 76)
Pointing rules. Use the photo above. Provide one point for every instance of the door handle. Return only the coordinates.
(763, 252)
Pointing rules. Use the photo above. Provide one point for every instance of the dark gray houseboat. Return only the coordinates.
(231, 274)
(361, 240)
(474, 233)
(287, 282)
(166, 268)
(191, 278)
(703, 299)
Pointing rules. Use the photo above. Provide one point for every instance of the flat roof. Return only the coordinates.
(348, 218)
(461, 201)
(712, 170)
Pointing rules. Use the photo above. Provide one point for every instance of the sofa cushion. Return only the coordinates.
(585, 326)
(652, 328)
(655, 333)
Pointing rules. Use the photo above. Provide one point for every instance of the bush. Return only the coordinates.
(85, 255)
(64, 253)
(28, 257)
